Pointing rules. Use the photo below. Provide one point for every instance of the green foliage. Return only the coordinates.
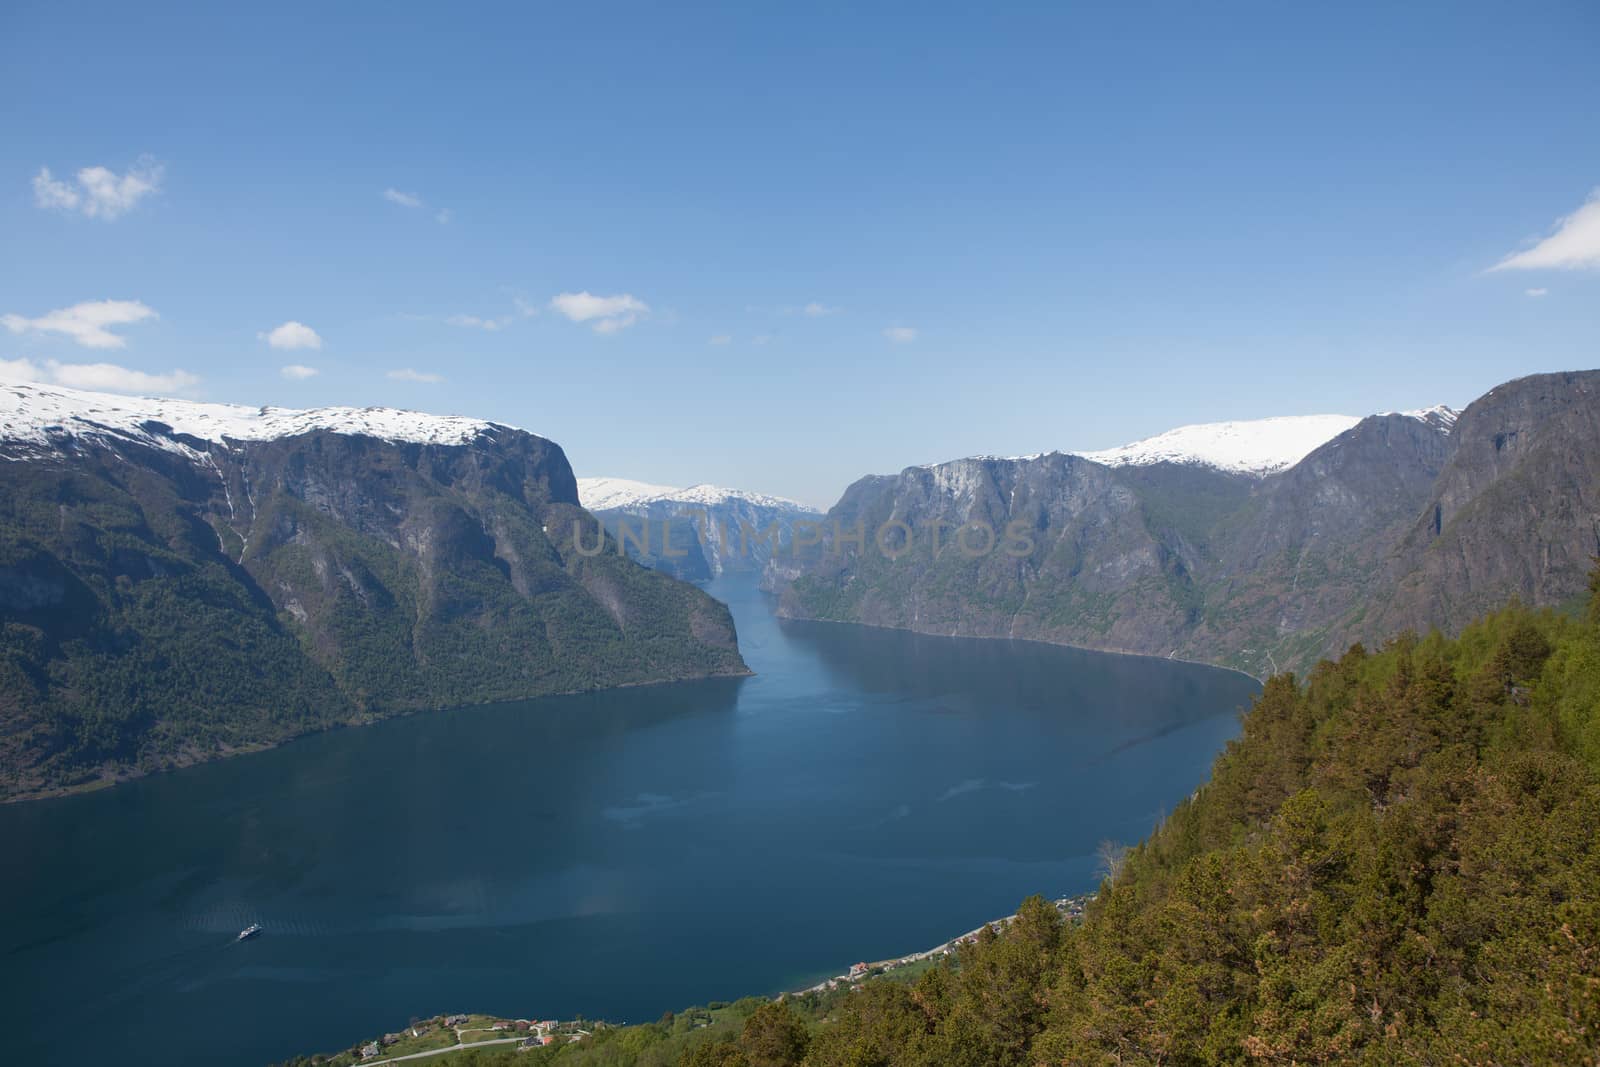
(1396, 862)
(147, 622)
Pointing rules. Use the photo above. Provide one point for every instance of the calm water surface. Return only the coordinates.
(614, 855)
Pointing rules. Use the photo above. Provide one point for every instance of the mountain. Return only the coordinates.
(182, 580)
(1263, 546)
(1256, 446)
(695, 533)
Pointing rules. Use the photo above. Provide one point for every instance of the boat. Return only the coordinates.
(248, 932)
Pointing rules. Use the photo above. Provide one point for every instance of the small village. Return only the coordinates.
(451, 1033)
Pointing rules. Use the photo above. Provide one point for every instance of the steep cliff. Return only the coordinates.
(696, 533)
(1209, 544)
(179, 581)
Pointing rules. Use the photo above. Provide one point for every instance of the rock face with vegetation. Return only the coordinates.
(696, 533)
(1416, 519)
(167, 597)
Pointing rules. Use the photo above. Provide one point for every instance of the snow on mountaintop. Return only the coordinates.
(1256, 446)
(1440, 415)
(604, 494)
(40, 415)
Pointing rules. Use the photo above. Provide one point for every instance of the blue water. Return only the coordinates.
(613, 855)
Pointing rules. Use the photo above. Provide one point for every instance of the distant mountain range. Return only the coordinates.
(1259, 545)
(696, 533)
(182, 580)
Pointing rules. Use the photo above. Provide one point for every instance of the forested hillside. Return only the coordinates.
(1396, 862)
(167, 597)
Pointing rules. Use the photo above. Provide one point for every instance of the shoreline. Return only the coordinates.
(182, 761)
(785, 617)
(1071, 908)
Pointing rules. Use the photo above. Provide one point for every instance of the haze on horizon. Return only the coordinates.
(782, 249)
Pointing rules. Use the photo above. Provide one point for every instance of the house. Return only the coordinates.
(369, 1050)
(857, 970)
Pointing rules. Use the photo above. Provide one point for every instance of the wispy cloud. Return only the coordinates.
(395, 196)
(414, 202)
(721, 338)
(476, 322)
(817, 310)
(98, 192)
(1537, 292)
(298, 372)
(1573, 244)
(420, 377)
(291, 335)
(609, 314)
(89, 323)
(100, 377)
(900, 335)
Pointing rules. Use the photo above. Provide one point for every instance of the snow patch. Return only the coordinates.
(45, 417)
(1256, 446)
(605, 494)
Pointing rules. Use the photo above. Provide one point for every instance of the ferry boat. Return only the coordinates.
(248, 932)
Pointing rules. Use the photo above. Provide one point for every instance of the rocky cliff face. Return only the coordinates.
(1515, 511)
(696, 533)
(1399, 520)
(166, 597)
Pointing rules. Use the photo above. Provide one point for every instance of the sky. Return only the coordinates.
(779, 248)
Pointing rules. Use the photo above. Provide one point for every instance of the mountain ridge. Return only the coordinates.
(1255, 571)
(166, 598)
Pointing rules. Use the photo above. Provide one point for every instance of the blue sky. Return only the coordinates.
(1031, 227)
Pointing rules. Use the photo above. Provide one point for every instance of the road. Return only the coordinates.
(447, 1048)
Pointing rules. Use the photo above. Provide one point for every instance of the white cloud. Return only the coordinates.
(900, 334)
(99, 193)
(420, 377)
(395, 196)
(109, 377)
(817, 310)
(442, 216)
(104, 377)
(721, 338)
(21, 370)
(761, 338)
(292, 335)
(476, 322)
(1536, 292)
(88, 323)
(1573, 244)
(298, 372)
(608, 313)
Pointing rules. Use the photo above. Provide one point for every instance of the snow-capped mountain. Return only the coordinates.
(263, 572)
(46, 418)
(1264, 544)
(608, 494)
(697, 532)
(1256, 447)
